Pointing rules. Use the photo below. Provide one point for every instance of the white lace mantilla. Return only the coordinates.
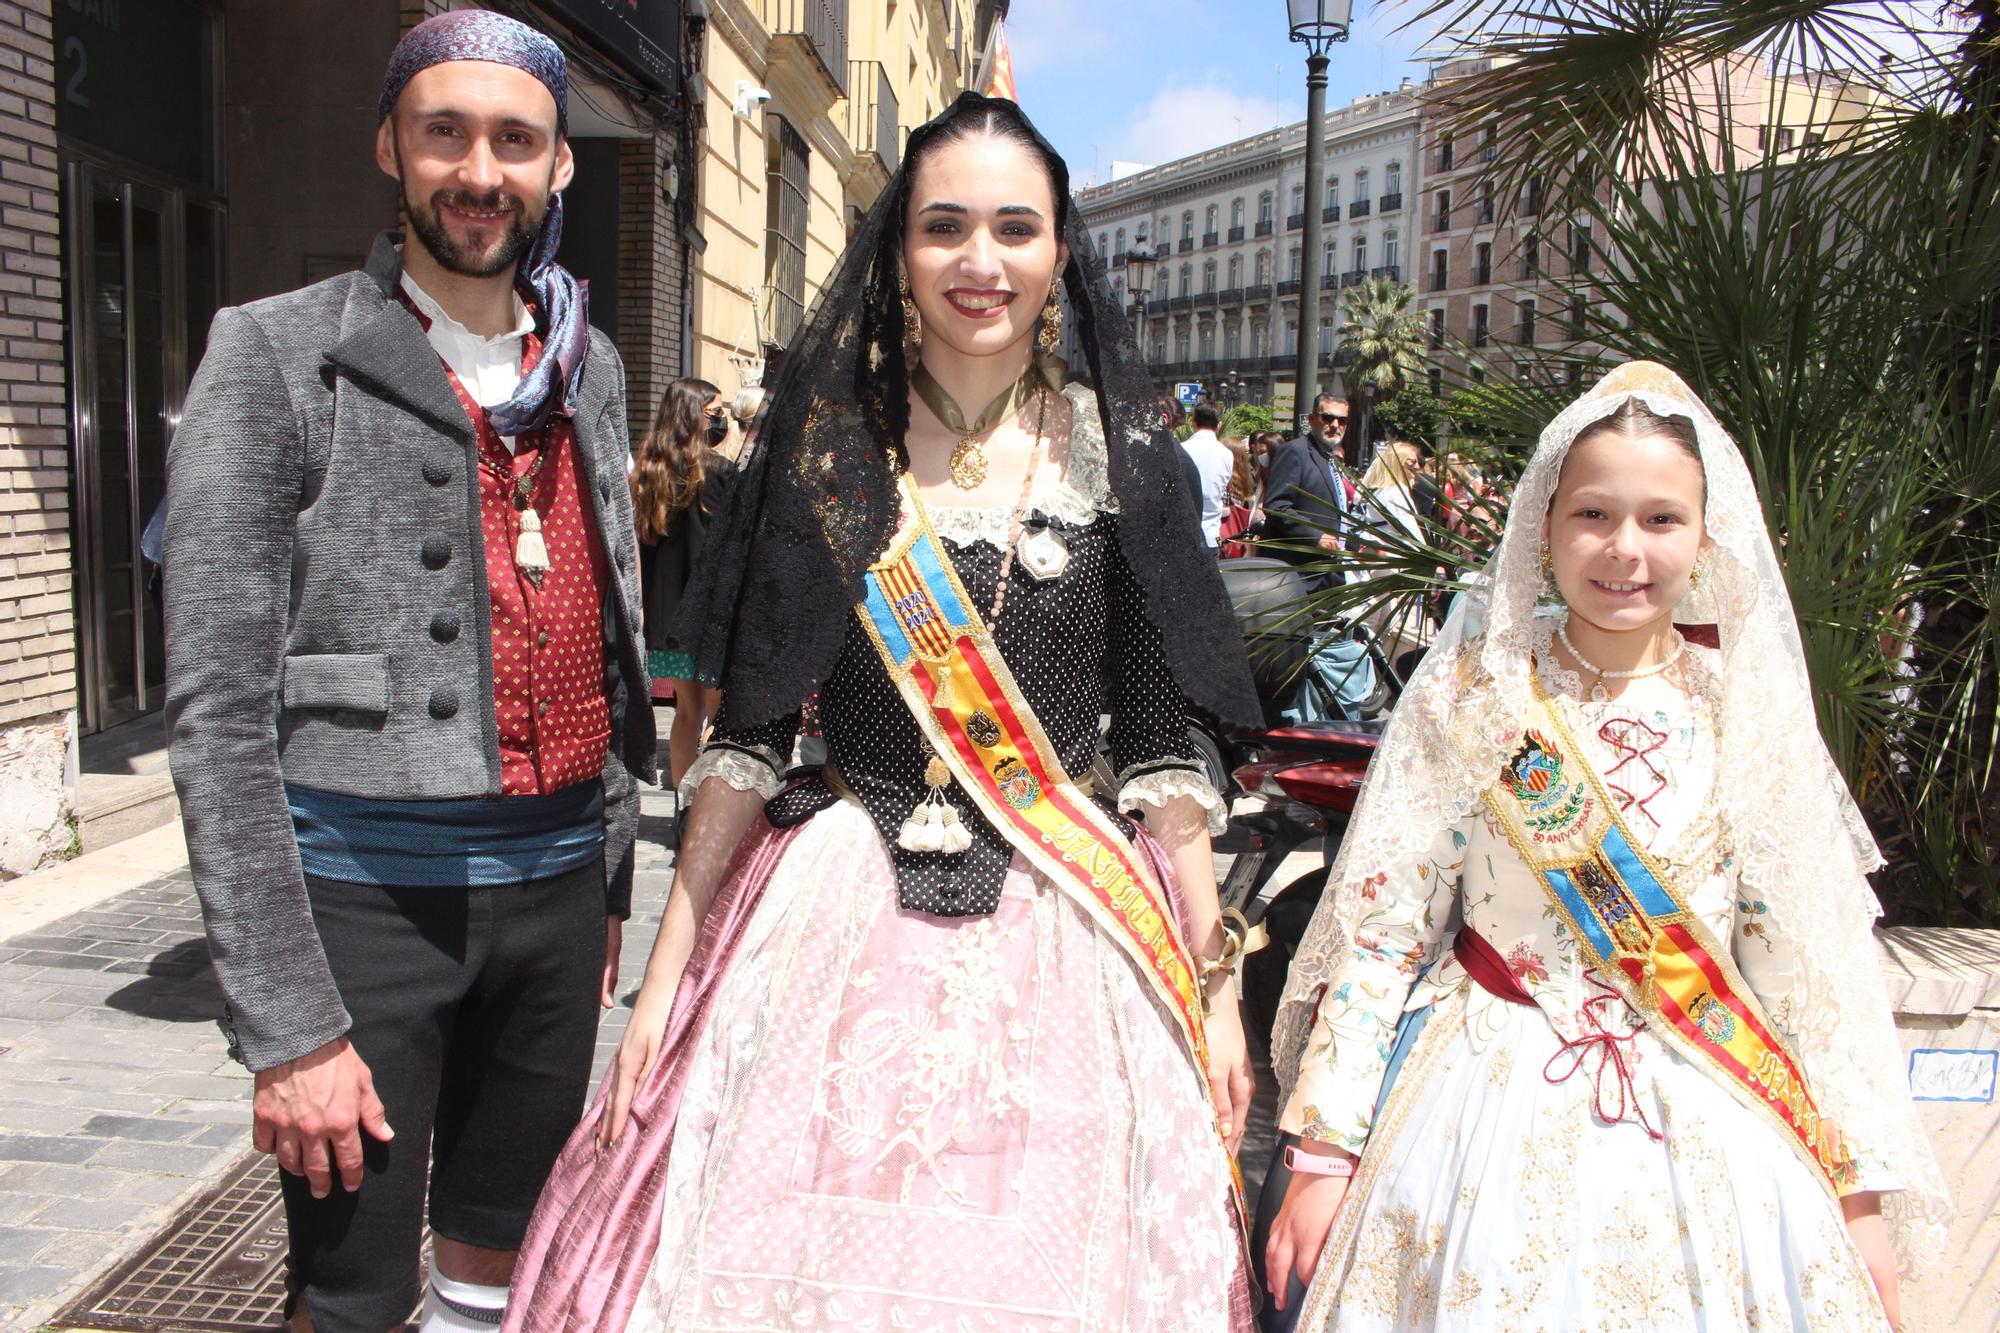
(1160, 785)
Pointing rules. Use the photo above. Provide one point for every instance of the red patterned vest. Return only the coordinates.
(548, 642)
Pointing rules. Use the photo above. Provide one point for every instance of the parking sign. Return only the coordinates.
(1187, 392)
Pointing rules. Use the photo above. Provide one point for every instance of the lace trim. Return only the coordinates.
(741, 769)
(1161, 785)
(1075, 499)
(1695, 673)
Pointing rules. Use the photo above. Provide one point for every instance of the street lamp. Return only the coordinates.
(1317, 25)
(1139, 261)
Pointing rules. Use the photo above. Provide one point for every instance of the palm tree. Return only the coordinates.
(1825, 272)
(1386, 336)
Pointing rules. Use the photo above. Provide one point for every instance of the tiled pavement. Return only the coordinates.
(118, 1100)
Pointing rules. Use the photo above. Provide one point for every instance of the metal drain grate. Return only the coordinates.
(218, 1267)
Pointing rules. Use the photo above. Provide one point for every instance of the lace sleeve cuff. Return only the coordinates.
(757, 770)
(1159, 785)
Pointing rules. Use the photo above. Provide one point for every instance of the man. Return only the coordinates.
(1214, 465)
(406, 699)
(1306, 494)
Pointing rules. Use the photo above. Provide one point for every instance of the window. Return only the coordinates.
(1531, 204)
(1208, 342)
(1159, 351)
(1579, 255)
(1210, 218)
(1325, 339)
(1160, 285)
(1440, 270)
(1480, 326)
(1260, 340)
(1187, 279)
(1482, 263)
(1391, 250)
(1264, 207)
(1120, 248)
(1531, 257)
(1360, 186)
(1232, 341)
(1295, 263)
(1166, 232)
(1298, 198)
(1528, 323)
(1187, 225)
(1444, 211)
(1436, 377)
(1579, 315)
(1208, 276)
(1785, 140)
(1437, 328)
(1444, 154)
(1477, 373)
(1235, 271)
(1329, 260)
(1573, 372)
(785, 213)
(1180, 344)
(1236, 211)
(1392, 178)
(1361, 253)
(1103, 241)
(1486, 203)
(1118, 289)
(1333, 192)
(1263, 268)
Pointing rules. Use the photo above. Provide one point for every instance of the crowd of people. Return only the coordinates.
(943, 1033)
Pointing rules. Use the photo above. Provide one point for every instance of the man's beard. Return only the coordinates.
(428, 223)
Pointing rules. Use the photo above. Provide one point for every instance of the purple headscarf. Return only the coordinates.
(561, 301)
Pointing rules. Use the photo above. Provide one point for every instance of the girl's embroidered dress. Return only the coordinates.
(1543, 1160)
(873, 1117)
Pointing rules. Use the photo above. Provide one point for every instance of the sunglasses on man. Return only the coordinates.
(1339, 420)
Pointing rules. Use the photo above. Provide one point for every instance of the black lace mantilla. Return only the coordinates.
(768, 611)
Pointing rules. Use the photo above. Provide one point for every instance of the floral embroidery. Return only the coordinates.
(1527, 964)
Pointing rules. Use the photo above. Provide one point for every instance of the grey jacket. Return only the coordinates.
(327, 615)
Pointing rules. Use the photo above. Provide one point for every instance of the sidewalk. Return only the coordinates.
(119, 1104)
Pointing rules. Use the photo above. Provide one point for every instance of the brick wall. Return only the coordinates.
(37, 620)
(650, 295)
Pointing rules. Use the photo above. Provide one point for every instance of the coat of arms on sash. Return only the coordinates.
(1017, 785)
(1535, 775)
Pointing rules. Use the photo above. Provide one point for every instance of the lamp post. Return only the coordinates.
(1317, 25)
(1139, 261)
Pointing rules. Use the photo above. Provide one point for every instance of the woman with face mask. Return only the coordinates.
(679, 481)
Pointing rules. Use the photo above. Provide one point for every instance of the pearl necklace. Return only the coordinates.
(1598, 694)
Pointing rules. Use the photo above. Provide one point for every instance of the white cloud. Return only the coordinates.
(1185, 119)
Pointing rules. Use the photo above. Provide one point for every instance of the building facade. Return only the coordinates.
(162, 158)
(1221, 305)
(805, 106)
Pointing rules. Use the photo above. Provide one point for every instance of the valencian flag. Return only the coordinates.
(998, 64)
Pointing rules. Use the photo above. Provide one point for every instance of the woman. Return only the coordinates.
(1389, 507)
(744, 407)
(679, 481)
(1593, 999)
(930, 1051)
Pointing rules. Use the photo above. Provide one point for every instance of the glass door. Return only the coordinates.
(128, 364)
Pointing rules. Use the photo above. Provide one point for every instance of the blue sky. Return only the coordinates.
(1110, 80)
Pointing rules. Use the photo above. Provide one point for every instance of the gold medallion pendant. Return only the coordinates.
(968, 464)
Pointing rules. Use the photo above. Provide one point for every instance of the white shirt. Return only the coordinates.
(489, 368)
(1216, 465)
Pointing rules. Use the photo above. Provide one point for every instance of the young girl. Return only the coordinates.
(1589, 1031)
(949, 1042)
(679, 482)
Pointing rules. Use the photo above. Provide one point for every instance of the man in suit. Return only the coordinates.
(406, 699)
(1306, 494)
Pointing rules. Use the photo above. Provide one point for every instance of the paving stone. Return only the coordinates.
(141, 1128)
(22, 1118)
(83, 1253)
(18, 1286)
(203, 1087)
(22, 1245)
(99, 1215)
(61, 943)
(46, 1148)
(226, 1136)
(178, 1158)
(44, 958)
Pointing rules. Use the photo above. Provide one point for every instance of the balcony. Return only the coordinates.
(1489, 152)
(1173, 303)
(1486, 214)
(1289, 287)
(1531, 204)
(1295, 221)
(811, 33)
(1353, 277)
(1442, 222)
(1328, 281)
(1482, 276)
(871, 113)
(1207, 299)
(1389, 203)
(1186, 245)
(1443, 161)
(1331, 213)
(1530, 270)
(1235, 235)
(1440, 281)
(1232, 296)
(1264, 227)
(1118, 260)
(1393, 272)
(1360, 208)
(1209, 240)
(1480, 335)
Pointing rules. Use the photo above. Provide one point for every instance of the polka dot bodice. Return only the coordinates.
(1080, 646)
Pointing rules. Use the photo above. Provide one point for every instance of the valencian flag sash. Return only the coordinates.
(1635, 929)
(943, 661)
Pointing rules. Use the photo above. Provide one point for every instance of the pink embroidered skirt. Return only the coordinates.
(875, 1119)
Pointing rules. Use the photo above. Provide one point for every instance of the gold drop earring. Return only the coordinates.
(913, 322)
(1547, 560)
(1051, 335)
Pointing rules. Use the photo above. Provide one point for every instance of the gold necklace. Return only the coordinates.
(968, 461)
